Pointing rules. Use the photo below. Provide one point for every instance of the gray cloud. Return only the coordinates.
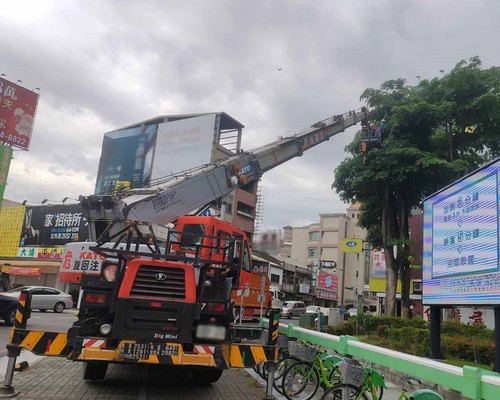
(102, 66)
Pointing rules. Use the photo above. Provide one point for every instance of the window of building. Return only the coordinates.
(313, 252)
(275, 278)
(245, 209)
(313, 236)
(229, 207)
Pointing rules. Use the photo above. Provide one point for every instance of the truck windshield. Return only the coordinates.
(192, 234)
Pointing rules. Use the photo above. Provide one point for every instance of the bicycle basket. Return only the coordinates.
(302, 351)
(353, 372)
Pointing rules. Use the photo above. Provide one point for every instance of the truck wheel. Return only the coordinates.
(94, 370)
(204, 376)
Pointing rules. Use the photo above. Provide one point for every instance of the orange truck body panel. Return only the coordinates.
(251, 303)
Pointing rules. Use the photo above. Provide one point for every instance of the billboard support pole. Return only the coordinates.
(435, 332)
(497, 339)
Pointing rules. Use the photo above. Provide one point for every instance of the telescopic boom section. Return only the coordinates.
(181, 194)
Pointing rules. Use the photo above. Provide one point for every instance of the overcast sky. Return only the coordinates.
(104, 65)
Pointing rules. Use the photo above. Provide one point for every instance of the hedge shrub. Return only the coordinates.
(467, 342)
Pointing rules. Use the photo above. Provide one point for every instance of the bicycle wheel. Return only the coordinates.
(300, 381)
(335, 375)
(380, 392)
(343, 391)
(281, 368)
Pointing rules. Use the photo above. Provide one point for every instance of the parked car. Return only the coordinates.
(8, 308)
(44, 298)
(293, 309)
(352, 312)
(313, 309)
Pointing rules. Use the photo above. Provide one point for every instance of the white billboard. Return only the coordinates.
(461, 241)
(183, 144)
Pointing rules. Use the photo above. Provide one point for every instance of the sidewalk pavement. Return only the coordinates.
(54, 378)
(61, 379)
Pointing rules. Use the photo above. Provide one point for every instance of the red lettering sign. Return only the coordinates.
(17, 114)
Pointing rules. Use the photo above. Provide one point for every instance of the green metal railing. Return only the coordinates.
(473, 383)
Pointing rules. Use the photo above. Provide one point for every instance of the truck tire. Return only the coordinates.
(204, 376)
(94, 370)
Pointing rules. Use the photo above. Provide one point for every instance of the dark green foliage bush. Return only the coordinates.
(467, 342)
(467, 348)
(410, 340)
(456, 328)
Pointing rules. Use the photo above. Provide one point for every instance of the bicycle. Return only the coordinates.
(359, 383)
(285, 361)
(316, 368)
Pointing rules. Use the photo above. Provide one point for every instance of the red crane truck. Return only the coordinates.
(168, 300)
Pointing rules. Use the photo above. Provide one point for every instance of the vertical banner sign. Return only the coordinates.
(11, 225)
(17, 114)
(5, 157)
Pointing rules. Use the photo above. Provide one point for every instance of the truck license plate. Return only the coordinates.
(142, 351)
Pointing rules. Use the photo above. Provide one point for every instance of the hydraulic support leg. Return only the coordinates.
(8, 390)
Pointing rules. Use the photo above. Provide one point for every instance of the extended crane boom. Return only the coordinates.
(184, 193)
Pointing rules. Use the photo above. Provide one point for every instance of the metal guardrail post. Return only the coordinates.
(272, 341)
(23, 310)
(13, 351)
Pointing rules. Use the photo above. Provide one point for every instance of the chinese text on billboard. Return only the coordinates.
(17, 114)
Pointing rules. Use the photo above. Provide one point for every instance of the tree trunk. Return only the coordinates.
(449, 132)
(392, 282)
(390, 262)
(403, 257)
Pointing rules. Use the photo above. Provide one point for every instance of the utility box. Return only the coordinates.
(307, 320)
(334, 317)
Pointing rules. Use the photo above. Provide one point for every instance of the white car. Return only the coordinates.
(352, 312)
(313, 309)
(44, 298)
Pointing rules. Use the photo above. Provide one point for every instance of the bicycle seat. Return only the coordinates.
(411, 380)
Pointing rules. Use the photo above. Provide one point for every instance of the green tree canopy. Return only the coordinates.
(434, 133)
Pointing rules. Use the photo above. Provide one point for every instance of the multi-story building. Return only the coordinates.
(334, 278)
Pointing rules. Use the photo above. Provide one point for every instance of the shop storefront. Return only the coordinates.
(31, 272)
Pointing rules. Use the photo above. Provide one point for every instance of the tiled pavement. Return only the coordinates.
(57, 379)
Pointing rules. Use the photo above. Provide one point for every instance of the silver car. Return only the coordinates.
(45, 298)
(293, 309)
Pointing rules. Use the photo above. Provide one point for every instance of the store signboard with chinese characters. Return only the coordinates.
(327, 281)
(11, 224)
(25, 271)
(324, 294)
(51, 226)
(40, 252)
(461, 264)
(17, 114)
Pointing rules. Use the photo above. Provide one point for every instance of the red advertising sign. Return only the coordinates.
(327, 281)
(17, 114)
(323, 294)
(33, 271)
